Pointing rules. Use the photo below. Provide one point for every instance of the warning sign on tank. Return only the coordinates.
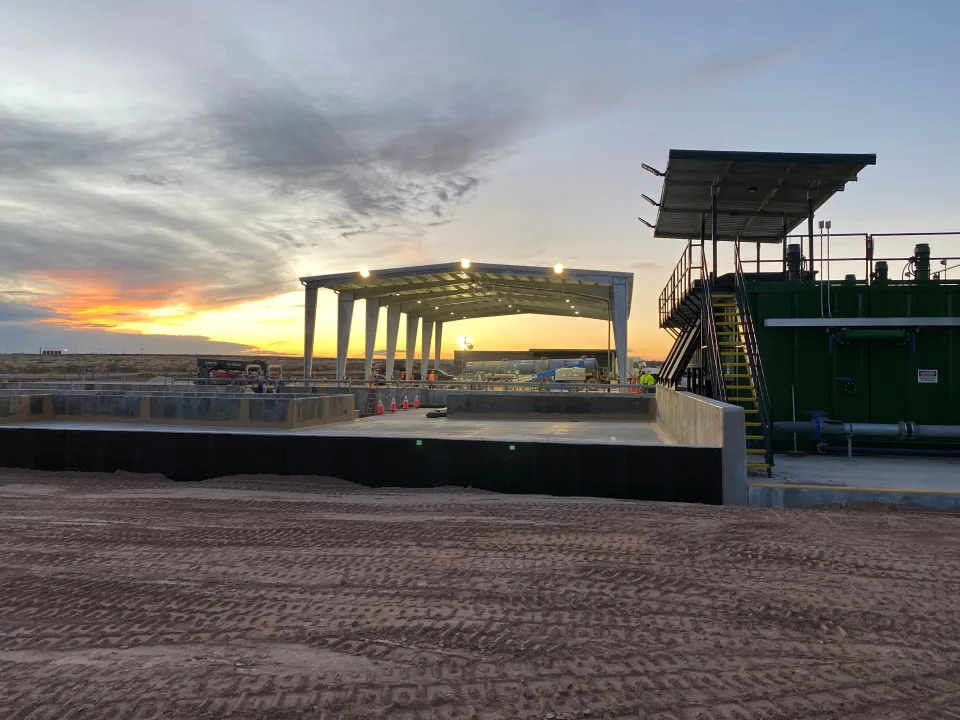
(927, 376)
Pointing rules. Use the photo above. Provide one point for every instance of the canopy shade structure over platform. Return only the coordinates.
(435, 294)
(760, 196)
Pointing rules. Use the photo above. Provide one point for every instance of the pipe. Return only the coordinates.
(903, 430)
(936, 431)
(793, 399)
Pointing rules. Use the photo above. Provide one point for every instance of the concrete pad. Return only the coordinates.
(930, 483)
(415, 424)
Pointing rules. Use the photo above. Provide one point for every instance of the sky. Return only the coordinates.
(169, 170)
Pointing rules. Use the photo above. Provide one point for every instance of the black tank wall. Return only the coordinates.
(646, 472)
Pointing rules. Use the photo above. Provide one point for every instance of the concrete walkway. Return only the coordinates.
(931, 483)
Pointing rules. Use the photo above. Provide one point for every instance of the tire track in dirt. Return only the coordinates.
(300, 597)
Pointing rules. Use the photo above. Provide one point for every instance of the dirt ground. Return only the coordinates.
(129, 596)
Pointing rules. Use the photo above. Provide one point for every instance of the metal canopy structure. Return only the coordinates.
(435, 294)
(754, 196)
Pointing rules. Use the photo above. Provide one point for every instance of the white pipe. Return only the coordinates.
(821, 270)
(829, 306)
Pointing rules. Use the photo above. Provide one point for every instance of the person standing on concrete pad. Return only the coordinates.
(647, 380)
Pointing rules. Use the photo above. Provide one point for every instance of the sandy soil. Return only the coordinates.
(131, 596)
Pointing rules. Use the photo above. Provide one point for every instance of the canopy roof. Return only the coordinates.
(757, 192)
(450, 291)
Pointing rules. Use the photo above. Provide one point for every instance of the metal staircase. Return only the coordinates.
(681, 353)
(719, 323)
(739, 379)
(742, 368)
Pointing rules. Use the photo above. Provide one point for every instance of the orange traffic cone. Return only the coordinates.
(393, 404)
(406, 403)
(379, 407)
(416, 400)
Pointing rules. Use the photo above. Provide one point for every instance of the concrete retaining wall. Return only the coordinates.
(694, 420)
(234, 410)
(546, 405)
(642, 472)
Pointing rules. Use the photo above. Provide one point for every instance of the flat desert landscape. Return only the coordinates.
(26, 366)
(128, 596)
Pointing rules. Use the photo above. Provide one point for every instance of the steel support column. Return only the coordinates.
(344, 320)
(783, 233)
(714, 233)
(438, 337)
(619, 314)
(413, 322)
(703, 239)
(425, 337)
(810, 234)
(393, 328)
(309, 327)
(373, 316)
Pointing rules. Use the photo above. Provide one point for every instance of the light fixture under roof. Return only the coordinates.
(364, 273)
(465, 263)
(558, 268)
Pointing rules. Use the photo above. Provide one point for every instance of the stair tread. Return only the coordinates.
(763, 466)
(755, 437)
(756, 451)
(752, 424)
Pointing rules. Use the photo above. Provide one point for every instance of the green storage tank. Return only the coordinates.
(860, 371)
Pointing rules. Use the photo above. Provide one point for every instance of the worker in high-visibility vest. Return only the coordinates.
(647, 379)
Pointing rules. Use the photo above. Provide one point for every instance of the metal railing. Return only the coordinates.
(765, 413)
(292, 384)
(678, 287)
(827, 266)
(685, 274)
(710, 344)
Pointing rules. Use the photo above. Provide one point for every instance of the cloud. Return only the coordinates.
(18, 312)
(150, 180)
(28, 337)
(202, 173)
(645, 266)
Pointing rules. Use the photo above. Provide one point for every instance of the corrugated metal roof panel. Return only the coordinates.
(757, 193)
